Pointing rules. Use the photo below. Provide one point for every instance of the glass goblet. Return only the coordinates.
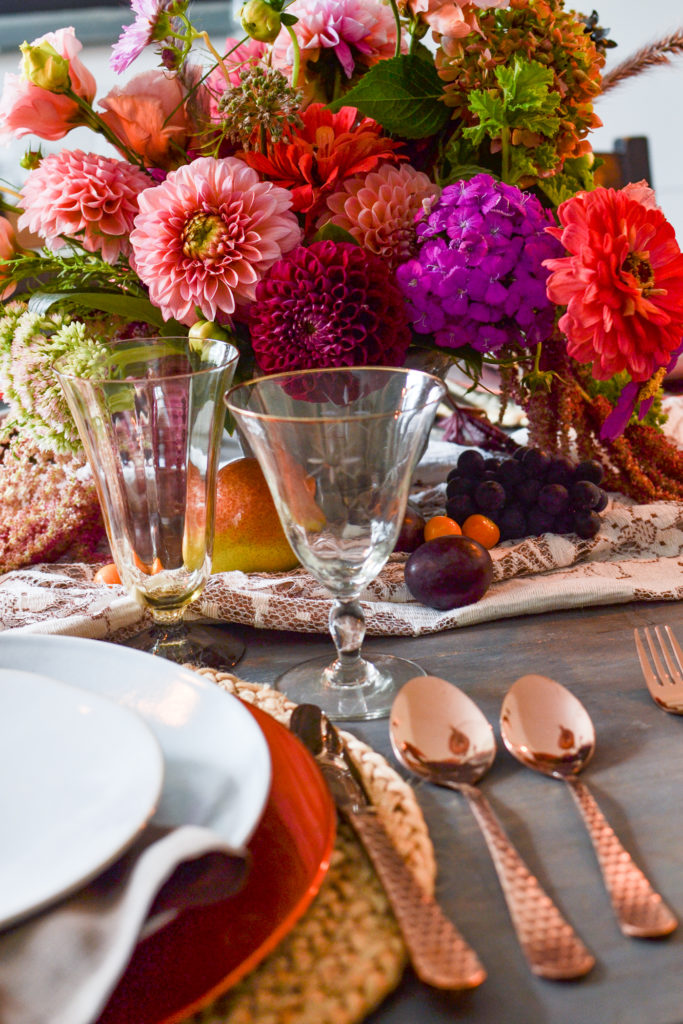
(150, 414)
(338, 449)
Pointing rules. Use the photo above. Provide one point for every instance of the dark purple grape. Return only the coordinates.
(510, 473)
(586, 523)
(603, 502)
(452, 474)
(560, 471)
(519, 453)
(449, 572)
(553, 498)
(589, 470)
(489, 497)
(527, 492)
(460, 507)
(539, 522)
(584, 494)
(412, 530)
(511, 522)
(460, 485)
(564, 522)
(535, 462)
(471, 463)
(491, 464)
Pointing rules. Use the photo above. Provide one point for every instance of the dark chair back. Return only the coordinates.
(630, 161)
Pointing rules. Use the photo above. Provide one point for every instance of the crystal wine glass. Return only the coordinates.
(150, 414)
(338, 449)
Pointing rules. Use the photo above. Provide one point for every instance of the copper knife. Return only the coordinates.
(438, 953)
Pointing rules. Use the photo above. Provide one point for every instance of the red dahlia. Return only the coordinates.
(331, 304)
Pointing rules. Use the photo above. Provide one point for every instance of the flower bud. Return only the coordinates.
(31, 159)
(204, 329)
(260, 21)
(44, 67)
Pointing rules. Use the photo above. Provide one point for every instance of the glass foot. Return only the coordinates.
(372, 697)
(195, 643)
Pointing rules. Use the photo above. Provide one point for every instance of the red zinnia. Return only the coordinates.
(622, 282)
(313, 160)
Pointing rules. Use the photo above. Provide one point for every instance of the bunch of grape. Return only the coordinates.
(528, 494)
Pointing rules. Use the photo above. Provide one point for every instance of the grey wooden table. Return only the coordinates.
(636, 775)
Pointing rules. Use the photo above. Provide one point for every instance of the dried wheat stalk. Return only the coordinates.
(649, 56)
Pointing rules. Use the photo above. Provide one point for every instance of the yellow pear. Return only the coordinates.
(248, 533)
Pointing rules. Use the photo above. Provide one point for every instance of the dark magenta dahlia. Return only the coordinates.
(328, 304)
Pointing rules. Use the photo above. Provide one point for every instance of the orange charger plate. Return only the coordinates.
(203, 952)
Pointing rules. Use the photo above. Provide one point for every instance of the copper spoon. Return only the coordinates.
(547, 728)
(438, 733)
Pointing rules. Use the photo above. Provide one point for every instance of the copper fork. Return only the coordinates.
(663, 670)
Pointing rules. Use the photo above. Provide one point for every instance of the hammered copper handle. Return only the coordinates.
(439, 954)
(640, 910)
(548, 941)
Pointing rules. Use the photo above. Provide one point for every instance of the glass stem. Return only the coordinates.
(170, 618)
(347, 626)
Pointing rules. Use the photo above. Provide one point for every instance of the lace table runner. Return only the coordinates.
(637, 556)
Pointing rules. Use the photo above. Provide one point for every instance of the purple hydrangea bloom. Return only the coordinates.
(478, 276)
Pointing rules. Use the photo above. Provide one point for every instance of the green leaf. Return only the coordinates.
(524, 101)
(333, 233)
(404, 94)
(127, 306)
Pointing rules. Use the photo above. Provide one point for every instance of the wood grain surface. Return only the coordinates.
(636, 775)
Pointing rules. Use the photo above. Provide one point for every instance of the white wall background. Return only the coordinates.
(650, 104)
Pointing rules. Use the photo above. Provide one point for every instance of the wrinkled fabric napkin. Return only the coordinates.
(636, 556)
(61, 966)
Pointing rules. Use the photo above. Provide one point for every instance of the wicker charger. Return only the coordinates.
(346, 953)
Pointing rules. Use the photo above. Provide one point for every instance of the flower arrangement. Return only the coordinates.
(352, 182)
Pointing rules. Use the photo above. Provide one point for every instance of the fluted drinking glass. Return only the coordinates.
(338, 449)
(150, 414)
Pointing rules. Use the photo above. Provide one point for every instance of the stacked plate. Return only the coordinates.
(97, 739)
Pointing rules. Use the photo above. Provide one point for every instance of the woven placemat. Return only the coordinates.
(346, 953)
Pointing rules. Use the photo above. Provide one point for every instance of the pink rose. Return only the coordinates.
(453, 18)
(27, 109)
(148, 115)
(8, 247)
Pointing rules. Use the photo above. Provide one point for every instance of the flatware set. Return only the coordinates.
(439, 734)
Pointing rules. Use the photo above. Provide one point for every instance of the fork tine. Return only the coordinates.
(662, 674)
(677, 669)
(650, 677)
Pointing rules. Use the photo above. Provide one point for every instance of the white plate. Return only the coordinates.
(217, 763)
(80, 775)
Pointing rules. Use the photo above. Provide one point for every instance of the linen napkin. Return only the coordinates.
(61, 966)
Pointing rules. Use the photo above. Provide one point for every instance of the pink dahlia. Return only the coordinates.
(379, 209)
(331, 304)
(362, 30)
(84, 196)
(622, 282)
(204, 238)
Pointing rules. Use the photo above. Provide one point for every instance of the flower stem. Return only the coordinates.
(214, 53)
(505, 155)
(95, 122)
(297, 55)
(397, 19)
